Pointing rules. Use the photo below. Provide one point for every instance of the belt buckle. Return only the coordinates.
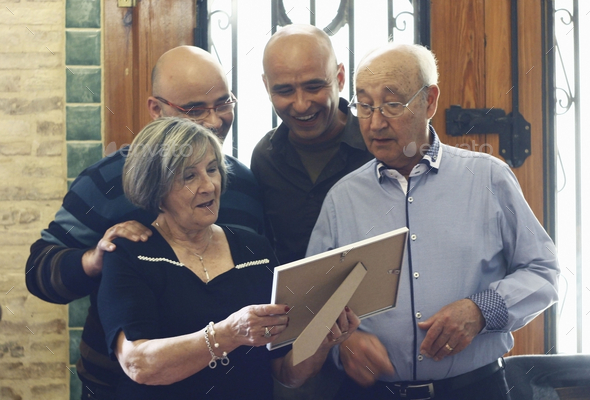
(403, 391)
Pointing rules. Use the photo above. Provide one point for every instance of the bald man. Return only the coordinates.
(317, 143)
(188, 81)
(66, 263)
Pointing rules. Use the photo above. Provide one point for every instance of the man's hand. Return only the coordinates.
(451, 329)
(365, 359)
(132, 230)
(346, 324)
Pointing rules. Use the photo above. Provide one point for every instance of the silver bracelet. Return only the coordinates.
(224, 359)
(212, 332)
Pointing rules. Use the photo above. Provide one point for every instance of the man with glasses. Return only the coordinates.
(478, 265)
(317, 143)
(198, 113)
(66, 263)
(391, 109)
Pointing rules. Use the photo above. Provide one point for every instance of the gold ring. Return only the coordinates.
(266, 332)
(449, 348)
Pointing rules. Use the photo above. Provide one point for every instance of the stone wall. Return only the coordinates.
(33, 334)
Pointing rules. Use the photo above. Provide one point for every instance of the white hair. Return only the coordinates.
(427, 68)
(428, 71)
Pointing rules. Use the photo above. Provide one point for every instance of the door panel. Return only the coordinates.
(471, 39)
(134, 40)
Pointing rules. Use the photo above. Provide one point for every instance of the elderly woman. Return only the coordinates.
(185, 312)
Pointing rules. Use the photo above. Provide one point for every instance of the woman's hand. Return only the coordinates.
(169, 360)
(254, 325)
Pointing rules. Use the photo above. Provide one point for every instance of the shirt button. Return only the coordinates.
(410, 199)
(416, 275)
(420, 357)
(418, 315)
(414, 237)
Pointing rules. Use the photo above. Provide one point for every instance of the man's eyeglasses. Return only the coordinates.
(389, 110)
(201, 113)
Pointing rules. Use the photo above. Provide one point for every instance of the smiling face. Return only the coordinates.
(392, 76)
(193, 202)
(303, 83)
(190, 77)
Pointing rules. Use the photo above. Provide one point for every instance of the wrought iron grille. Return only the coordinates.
(236, 32)
(572, 183)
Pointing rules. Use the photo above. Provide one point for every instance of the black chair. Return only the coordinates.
(548, 377)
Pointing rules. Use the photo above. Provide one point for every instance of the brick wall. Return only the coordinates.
(33, 334)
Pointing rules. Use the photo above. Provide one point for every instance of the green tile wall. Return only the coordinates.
(83, 13)
(83, 127)
(82, 155)
(75, 385)
(77, 312)
(83, 47)
(75, 337)
(83, 85)
(83, 122)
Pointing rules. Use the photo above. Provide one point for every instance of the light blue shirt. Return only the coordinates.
(471, 233)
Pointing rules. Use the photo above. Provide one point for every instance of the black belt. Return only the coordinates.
(425, 390)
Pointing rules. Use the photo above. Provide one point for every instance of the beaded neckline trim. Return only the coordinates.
(152, 259)
(179, 264)
(251, 263)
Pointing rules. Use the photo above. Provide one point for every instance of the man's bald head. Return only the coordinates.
(191, 78)
(182, 64)
(303, 81)
(299, 37)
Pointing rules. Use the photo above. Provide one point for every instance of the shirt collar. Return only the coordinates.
(430, 162)
(351, 135)
(434, 153)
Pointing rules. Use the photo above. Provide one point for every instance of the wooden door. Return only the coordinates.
(134, 39)
(471, 39)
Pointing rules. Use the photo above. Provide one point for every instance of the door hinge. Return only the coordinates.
(513, 129)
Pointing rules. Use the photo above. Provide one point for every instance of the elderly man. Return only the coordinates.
(66, 263)
(478, 264)
(317, 143)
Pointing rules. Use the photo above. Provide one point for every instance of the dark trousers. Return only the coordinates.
(494, 387)
(92, 391)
